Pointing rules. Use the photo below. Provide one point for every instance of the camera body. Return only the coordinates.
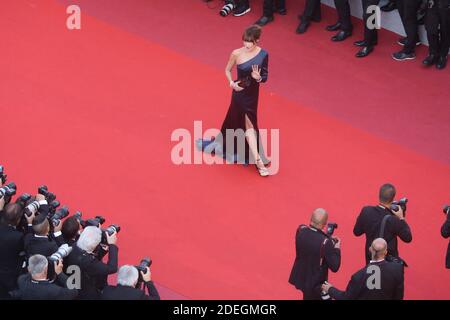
(400, 203)
(331, 227)
(8, 190)
(59, 215)
(49, 196)
(109, 231)
(142, 267)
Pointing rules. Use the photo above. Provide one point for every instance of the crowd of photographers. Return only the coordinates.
(434, 14)
(47, 254)
(382, 277)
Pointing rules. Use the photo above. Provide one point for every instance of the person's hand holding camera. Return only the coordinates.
(326, 287)
(111, 239)
(30, 218)
(58, 266)
(337, 243)
(2, 201)
(399, 213)
(58, 227)
(147, 276)
(40, 197)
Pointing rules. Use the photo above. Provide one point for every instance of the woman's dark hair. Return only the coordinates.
(12, 213)
(70, 228)
(252, 34)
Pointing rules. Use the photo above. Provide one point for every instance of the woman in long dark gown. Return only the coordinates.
(252, 69)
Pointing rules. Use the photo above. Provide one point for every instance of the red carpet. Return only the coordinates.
(90, 113)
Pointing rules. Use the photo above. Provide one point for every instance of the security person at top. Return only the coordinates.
(316, 252)
(381, 222)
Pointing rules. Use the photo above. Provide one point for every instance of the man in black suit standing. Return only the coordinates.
(445, 232)
(437, 24)
(381, 222)
(379, 280)
(269, 7)
(344, 24)
(11, 247)
(408, 13)
(127, 279)
(316, 252)
(371, 22)
(312, 12)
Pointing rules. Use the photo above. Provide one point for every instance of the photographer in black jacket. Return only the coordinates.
(94, 273)
(445, 232)
(11, 247)
(36, 286)
(127, 280)
(381, 222)
(379, 280)
(316, 252)
(40, 241)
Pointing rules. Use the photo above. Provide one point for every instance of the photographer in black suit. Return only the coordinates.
(85, 254)
(381, 222)
(36, 286)
(11, 247)
(445, 232)
(379, 280)
(40, 241)
(316, 252)
(127, 280)
(437, 24)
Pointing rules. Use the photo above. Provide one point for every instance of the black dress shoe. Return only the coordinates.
(429, 60)
(334, 27)
(363, 43)
(441, 62)
(282, 11)
(341, 36)
(364, 52)
(390, 6)
(263, 21)
(302, 27)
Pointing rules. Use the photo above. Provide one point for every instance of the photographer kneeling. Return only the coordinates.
(85, 255)
(36, 286)
(127, 285)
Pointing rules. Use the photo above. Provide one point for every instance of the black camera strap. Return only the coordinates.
(383, 225)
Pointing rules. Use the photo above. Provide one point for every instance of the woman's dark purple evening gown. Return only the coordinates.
(243, 103)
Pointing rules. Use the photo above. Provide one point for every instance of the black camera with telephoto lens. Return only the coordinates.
(24, 199)
(94, 222)
(142, 267)
(400, 203)
(331, 227)
(227, 8)
(59, 215)
(49, 196)
(7, 191)
(109, 231)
